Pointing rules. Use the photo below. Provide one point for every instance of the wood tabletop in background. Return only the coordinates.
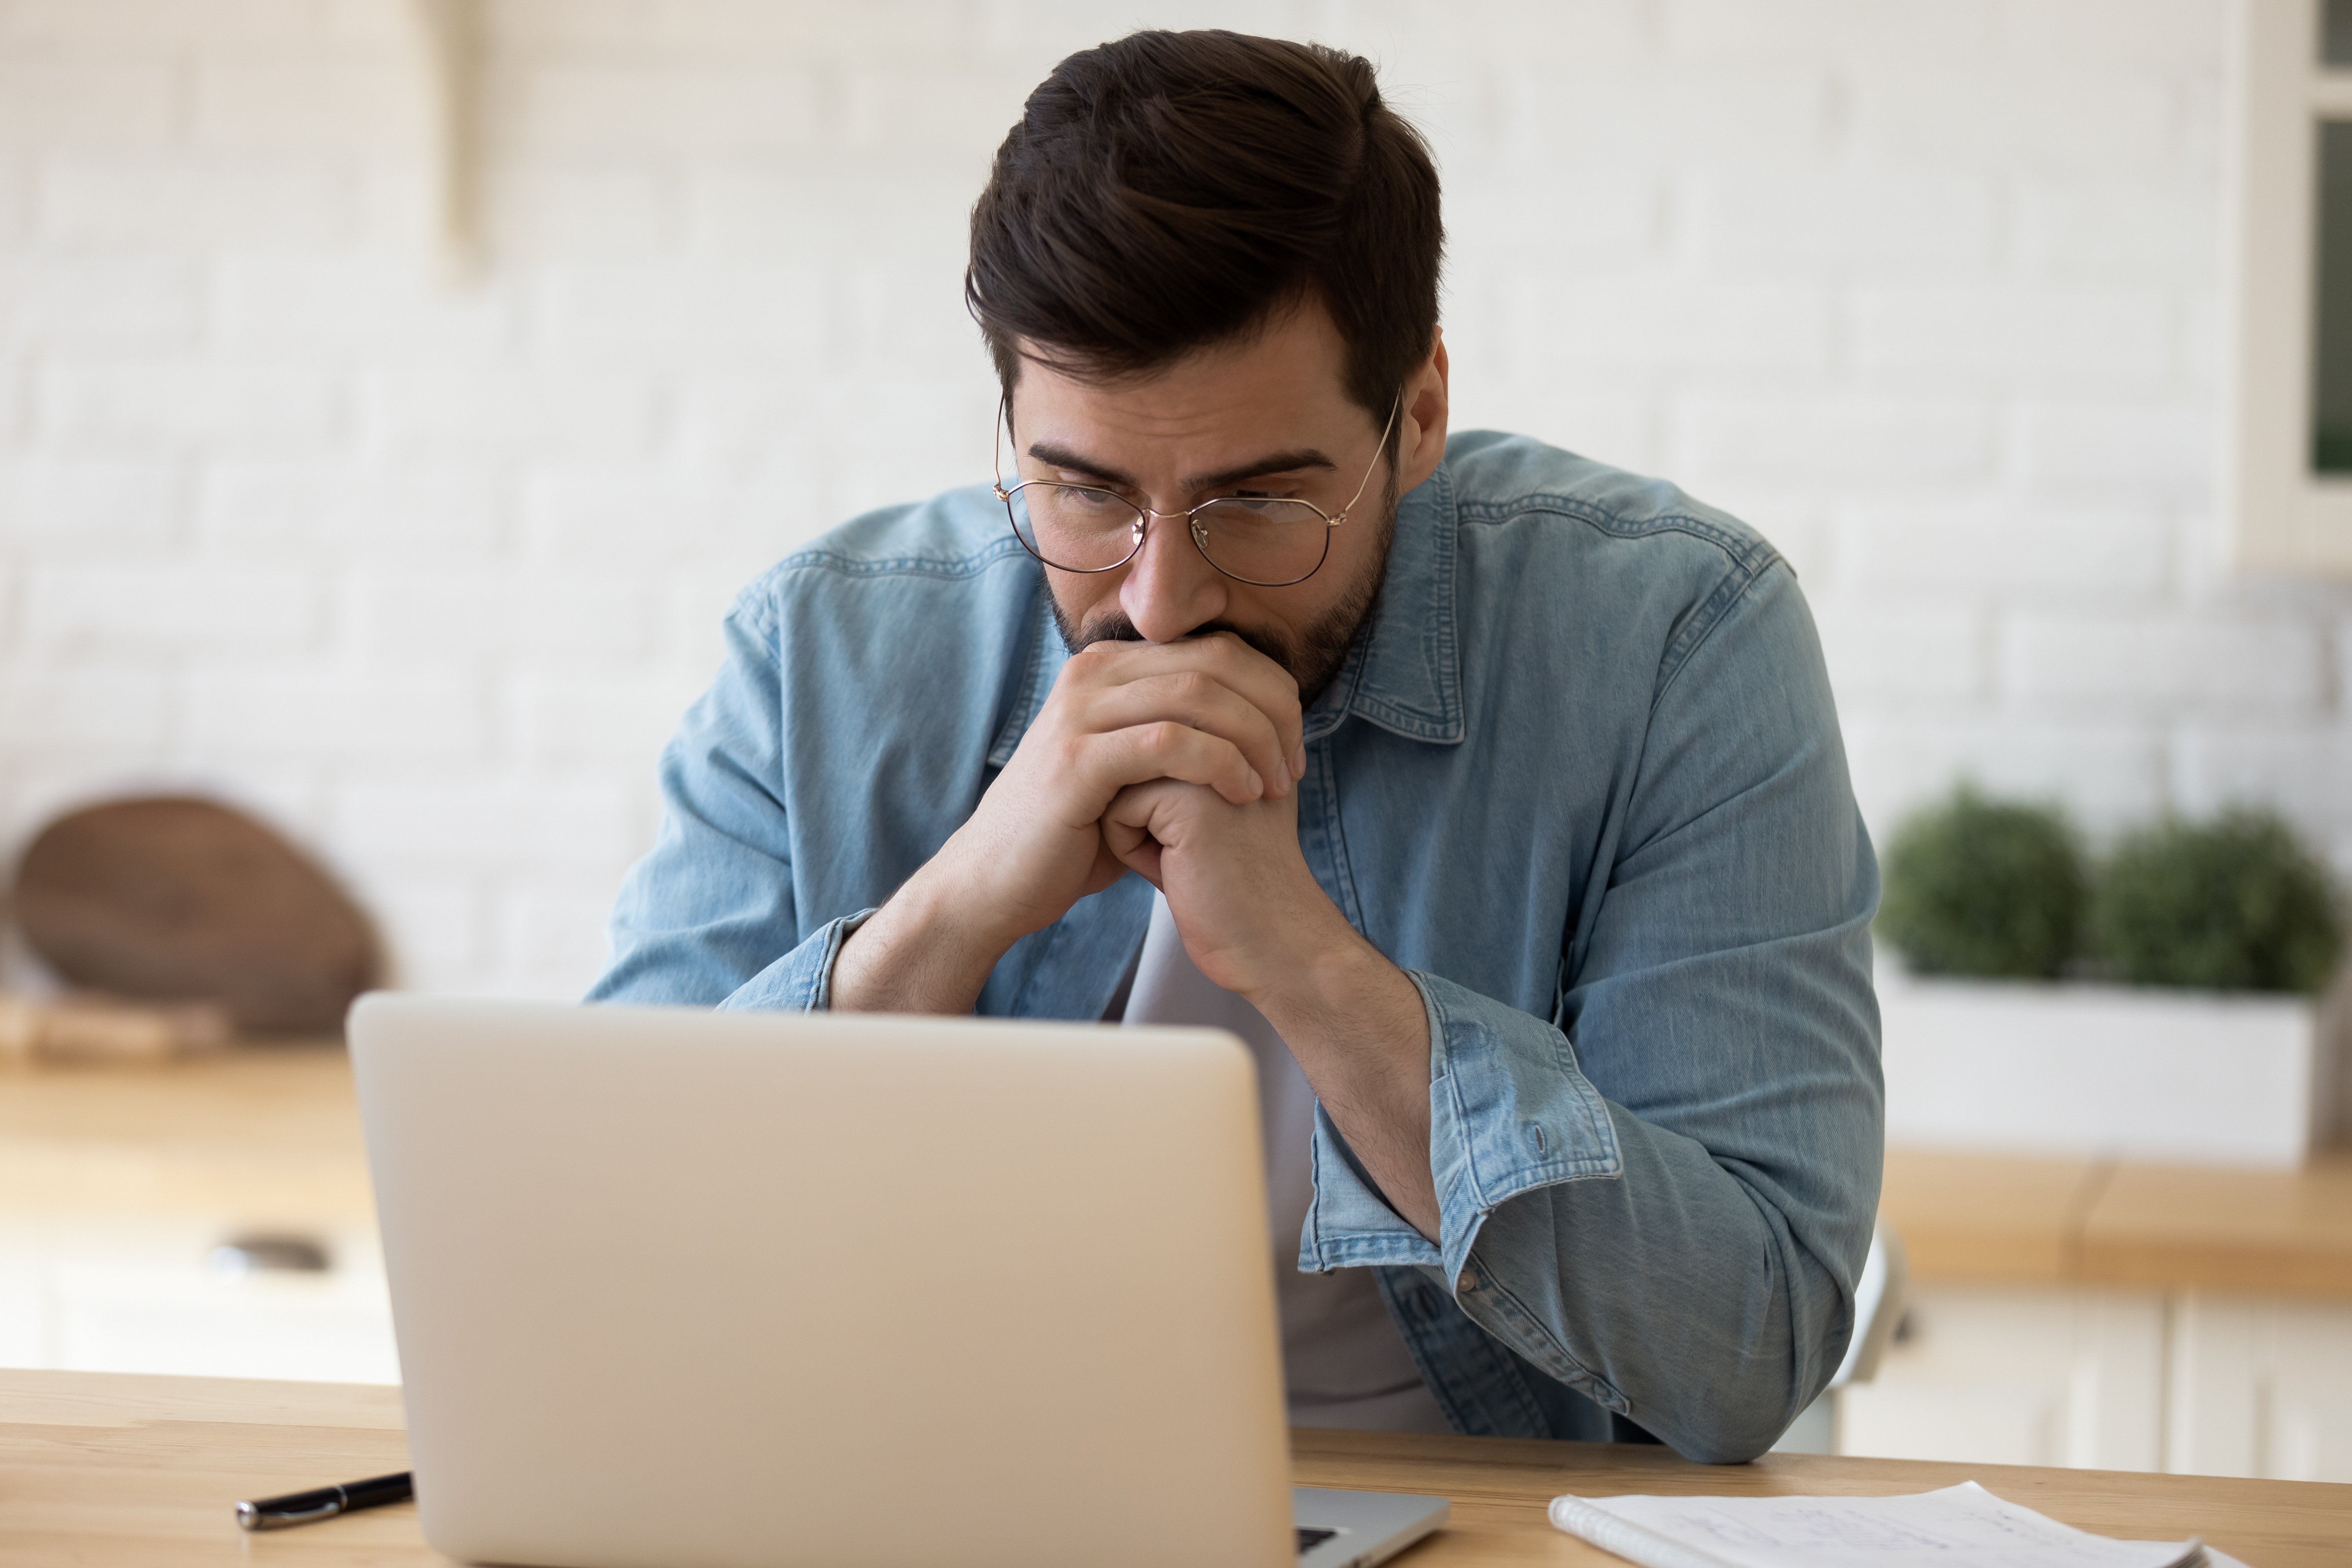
(271, 1134)
(116, 1471)
(1997, 1218)
(260, 1134)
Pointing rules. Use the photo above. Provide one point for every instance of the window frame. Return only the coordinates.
(2283, 517)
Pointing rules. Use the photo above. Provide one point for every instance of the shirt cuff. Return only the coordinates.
(1509, 1111)
(801, 980)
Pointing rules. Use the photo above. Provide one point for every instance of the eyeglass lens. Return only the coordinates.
(1267, 541)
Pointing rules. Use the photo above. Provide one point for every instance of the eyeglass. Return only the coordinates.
(1267, 542)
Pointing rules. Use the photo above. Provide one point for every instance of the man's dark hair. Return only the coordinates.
(1168, 191)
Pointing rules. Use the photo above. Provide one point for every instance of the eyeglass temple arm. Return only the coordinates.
(996, 441)
(1394, 409)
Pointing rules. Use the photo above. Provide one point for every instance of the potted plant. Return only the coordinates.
(2161, 1005)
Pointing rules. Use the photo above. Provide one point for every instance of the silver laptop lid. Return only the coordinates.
(694, 1289)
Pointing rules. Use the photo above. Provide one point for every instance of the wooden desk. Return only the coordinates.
(116, 1471)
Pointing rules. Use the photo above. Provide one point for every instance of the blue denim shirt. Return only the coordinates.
(1580, 777)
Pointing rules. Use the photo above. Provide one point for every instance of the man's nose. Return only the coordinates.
(1169, 587)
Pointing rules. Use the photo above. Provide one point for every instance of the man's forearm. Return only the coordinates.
(1684, 1287)
(1690, 1266)
(1361, 1034)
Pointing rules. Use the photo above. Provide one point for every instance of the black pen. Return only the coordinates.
(324, 1502)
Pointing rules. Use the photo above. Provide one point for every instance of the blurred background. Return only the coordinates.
(391, 476)
(395, 393)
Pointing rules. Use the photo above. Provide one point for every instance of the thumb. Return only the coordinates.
(1134, 847)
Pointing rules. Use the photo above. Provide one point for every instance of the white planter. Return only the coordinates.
(2105, 1070)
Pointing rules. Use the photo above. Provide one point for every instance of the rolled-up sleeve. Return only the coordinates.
(1490, 1075)
(801, 980)
(1663, 1201)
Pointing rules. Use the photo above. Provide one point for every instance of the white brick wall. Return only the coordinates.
(1927, 289)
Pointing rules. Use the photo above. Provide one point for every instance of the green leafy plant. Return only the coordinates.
(1985, 888)
(2237, 903)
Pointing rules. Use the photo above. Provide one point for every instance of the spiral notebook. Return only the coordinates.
(1959, 1526)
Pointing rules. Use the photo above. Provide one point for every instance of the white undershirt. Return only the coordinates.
(1343, 1362)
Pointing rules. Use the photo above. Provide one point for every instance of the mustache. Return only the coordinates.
(1114, 626)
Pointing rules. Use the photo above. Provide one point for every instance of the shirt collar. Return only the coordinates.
(1402, 671)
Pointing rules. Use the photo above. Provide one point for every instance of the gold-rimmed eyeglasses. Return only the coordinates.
(1267, 542)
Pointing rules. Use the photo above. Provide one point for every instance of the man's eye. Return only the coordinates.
(1262, 501)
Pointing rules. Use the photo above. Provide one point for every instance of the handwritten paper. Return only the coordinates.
(1959, 1526)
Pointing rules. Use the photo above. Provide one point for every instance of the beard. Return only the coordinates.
(1312, 658)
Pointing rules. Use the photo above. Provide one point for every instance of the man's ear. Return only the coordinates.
(1423, 445)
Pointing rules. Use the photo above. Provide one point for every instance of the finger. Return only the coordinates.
(1199, 699)
(1264, 684)
(1110, 865)
(1166, 750)
(1272, 689)
(1138, 805)
(1136, 822)
(1267, 685)
(1130, 848)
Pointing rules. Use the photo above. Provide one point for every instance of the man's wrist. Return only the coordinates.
(1341, 983)
(928, 949)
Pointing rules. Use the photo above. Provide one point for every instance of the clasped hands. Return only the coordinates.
(1180, 762)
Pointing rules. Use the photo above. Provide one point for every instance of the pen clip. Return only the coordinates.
(252, 1516)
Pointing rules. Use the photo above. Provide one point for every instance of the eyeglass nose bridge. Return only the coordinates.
(1144, 515)
(1193, 525)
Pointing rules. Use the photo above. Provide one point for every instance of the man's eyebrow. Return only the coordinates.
(1060, 457)
(1272, 463)
(1063, 458)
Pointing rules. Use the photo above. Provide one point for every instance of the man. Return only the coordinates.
(1495, 797)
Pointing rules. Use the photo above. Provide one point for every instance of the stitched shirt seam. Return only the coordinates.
(947, 566)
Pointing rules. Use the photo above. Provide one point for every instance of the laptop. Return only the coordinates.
(706, 1290)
